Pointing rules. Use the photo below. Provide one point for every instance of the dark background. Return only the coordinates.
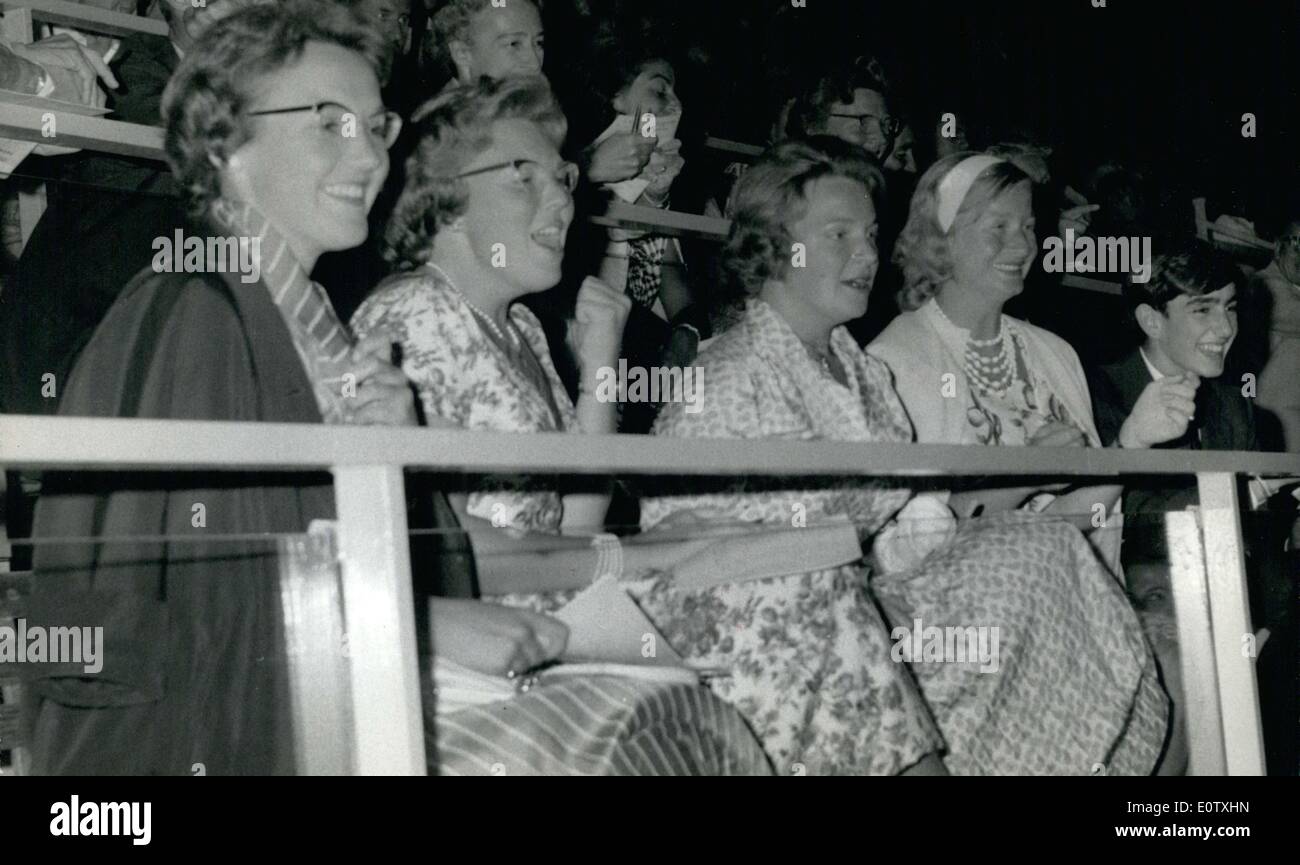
(1153, 84)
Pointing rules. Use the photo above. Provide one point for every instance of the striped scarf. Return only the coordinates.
(323, 342)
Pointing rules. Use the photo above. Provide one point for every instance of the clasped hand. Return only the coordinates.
(378, 393)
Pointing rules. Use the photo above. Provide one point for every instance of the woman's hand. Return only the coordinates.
(620, 157)
(596, 332)
(665, 164)
(1057, 434)
(1162, 412)
(493, 639)
(383, 395)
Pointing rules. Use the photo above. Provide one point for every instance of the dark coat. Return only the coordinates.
(194, 666)
(1224, 421)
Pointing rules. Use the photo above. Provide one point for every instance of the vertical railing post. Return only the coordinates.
(1234, 638)
(379, 615)
(1195, 645)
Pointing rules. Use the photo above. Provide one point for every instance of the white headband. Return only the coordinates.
(957, 183)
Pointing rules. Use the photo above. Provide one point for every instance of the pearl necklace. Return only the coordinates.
(994, 374)
(512, 342)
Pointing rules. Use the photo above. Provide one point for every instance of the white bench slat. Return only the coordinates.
(65, 14)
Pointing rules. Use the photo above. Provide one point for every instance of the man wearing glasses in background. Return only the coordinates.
(392, 18)
(850, 103)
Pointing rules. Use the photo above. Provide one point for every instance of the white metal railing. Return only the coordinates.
(1209, 576)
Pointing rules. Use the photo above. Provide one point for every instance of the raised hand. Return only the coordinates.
(596, 332)
(665, 164)
(1162, 412)
(620, 157)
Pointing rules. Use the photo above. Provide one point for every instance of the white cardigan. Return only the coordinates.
(914, 348)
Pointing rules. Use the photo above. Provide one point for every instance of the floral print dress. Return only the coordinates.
(1074, 687)
(572, 725)
(807, 654)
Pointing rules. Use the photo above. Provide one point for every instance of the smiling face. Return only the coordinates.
(860, 122)
(315, 184)
(838, 233)
(530, 220)
(651, 91)
(1193, 334)
(501, 42)
(992, 254)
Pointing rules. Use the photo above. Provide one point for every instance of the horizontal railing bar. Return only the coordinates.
(36, 442)
(739, 148)
(1087, 283)
(89, 18)
(620, 214)
(75, 130)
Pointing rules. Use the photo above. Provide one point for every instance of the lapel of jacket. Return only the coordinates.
(285, 394)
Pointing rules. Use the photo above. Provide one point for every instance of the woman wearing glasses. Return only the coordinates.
(276, 132)
(816, 682)
(480, 225)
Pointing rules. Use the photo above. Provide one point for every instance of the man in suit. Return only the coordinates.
(1187, 314)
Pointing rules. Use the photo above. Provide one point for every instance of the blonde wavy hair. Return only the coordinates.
(922, 251)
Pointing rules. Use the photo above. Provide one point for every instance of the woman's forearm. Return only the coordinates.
(585, 511)
(595, 415)
(507, 563)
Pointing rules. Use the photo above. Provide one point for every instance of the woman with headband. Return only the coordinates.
(968, 374)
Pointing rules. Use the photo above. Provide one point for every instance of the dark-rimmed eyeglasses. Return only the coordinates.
(1292, 241)
(338, 119)
(889, 126)
(528, 173)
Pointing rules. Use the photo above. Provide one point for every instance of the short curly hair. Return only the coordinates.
(450, 130)
(451, 23)
(922, 250)
(810, 108)
(769, 197)
(204, 103)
